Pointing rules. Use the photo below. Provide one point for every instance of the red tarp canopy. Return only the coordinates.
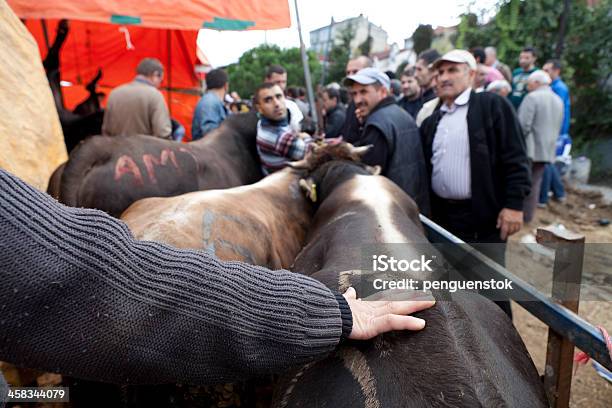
(116, 35)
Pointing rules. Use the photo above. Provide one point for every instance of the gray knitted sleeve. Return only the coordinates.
(80, 296)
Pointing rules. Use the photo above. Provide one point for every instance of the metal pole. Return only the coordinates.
(306, 70)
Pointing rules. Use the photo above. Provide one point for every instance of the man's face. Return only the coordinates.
(526, 60)
(453, 79)
(551, 71)
(490, 59)
(410, 87)
(353, 66)
(271, 103)
(481, 76)
(156, 78)
(422, 73)
(366, 97)
(328, 103)
(278, 79)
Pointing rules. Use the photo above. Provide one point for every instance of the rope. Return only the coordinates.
(581, 358)
(128, 41)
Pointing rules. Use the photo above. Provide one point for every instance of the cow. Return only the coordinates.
(111, 172)
(468, 355)
(262, 224)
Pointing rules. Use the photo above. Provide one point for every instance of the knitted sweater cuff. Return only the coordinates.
(346, 315)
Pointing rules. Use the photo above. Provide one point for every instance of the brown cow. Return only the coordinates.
(262, 224)
(469, 355)
(110, 173)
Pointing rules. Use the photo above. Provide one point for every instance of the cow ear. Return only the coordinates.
(374, 170)
(310, 188)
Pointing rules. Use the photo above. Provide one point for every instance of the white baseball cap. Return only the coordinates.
(457, 56)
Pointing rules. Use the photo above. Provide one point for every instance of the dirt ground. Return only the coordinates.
(580, 213)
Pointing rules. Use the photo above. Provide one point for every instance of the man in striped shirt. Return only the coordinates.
(277, 141)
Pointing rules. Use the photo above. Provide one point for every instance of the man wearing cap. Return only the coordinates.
(475, 155)
(392, 133)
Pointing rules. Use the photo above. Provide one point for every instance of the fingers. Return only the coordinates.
(504, 230)
(499, 220)
(403, 307)
(350, 294)
(383, 324)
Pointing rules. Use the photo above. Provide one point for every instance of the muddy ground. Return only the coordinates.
(580, 213)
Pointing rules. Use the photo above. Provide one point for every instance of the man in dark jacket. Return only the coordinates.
(351, 124)
(476, 159)
(412, 101)
(392, 133)
(334, 113)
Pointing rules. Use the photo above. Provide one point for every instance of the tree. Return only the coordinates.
(366, 47)
(421, 38)
(340, 54)
(250, 70)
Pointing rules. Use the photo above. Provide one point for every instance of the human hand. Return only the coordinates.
(360, 115)
(509, 221)
(371, 318)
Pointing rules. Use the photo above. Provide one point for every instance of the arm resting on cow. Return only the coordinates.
(378, 155)
(82, 297)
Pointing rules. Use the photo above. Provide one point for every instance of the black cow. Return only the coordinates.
(469, 354)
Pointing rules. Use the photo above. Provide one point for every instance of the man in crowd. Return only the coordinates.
(490, 73)
(425, 75)
(334, 113)
(138, 108)
(276, 74)
(411, 102)
(392, 133)
(210, 110)
(492, 61)
(277, 141)
(350, 130)
(527, 59)
(552, 174)
(541, 116)
(500, 87)
(476, 159)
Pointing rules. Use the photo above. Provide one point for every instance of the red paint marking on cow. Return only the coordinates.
(126, 165)
(151, 161)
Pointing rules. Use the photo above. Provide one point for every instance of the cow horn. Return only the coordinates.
(310, 188)
(299, 165)
(361, 150)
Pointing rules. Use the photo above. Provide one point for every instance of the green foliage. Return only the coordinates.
(250, 70)
(589, 55)
(586, 57)
(422, 37)
(366, 46)
(339, 55)
(400, 69)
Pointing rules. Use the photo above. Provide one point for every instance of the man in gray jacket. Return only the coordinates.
(541, 116)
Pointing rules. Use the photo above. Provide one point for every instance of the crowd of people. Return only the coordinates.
(477, 146)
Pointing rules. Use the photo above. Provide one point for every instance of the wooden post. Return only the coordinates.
(567, 276)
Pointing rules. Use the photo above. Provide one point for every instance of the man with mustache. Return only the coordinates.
(476, 158)
(392, 133)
